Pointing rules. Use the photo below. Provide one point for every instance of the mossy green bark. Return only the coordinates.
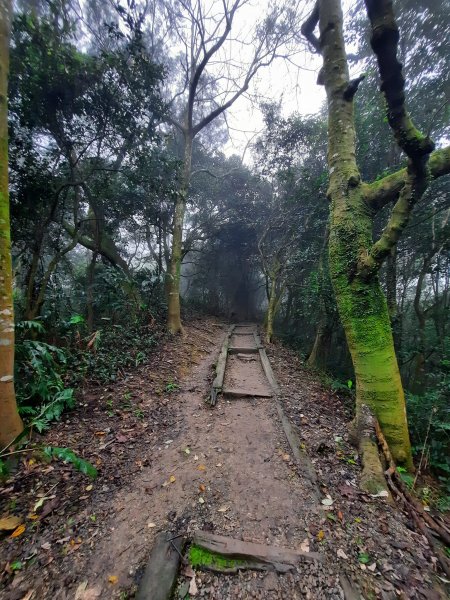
(201, 558)
(361, 304)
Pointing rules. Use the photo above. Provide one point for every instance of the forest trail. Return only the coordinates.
(227, 469)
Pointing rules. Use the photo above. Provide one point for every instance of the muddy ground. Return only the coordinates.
(168, 461)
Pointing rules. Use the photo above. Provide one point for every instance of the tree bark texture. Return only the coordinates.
(322, 342)
(10, 422)
(361, 303)
(174, 272)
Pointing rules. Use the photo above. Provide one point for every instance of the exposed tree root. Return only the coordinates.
(423, 521)
(372, 478)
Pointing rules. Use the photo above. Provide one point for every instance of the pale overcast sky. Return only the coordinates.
(293, 83)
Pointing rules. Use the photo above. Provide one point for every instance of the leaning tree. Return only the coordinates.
(355, 258)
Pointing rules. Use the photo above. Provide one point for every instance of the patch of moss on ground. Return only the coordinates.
(198, 557)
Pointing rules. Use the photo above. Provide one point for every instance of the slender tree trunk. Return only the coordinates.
(391, 296)
(271, 311)
(287, 314)
(10, 422)
(417, 385)
(361, 303)
(90, 292)
(174, 271)
(322, 342)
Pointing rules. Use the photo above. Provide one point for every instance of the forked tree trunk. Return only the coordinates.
(174, 271)
(362, 306)
(10, 422)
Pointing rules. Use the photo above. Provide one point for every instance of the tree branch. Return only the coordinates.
(384, 41)
(308, 27)
(207, 56)
(417, 147)
(380, 193)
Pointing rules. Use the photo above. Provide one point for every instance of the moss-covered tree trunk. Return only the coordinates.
(362, 306)
(10, 421)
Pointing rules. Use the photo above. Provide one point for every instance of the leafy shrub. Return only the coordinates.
(112, 350)
(429, 423)
(67, 455)
(41, 392)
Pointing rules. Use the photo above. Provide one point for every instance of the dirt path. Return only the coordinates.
(228, 470)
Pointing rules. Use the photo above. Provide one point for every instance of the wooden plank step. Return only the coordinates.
(237, 393)
(238, 350)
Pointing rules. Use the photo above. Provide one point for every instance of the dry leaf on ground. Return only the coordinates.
(10, 523)
(18, 531)
(193, 590)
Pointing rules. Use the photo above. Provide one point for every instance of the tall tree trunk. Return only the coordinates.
(417, 385)
(271, 309)
(322, 342)
(287, 312)
(362, 306)
(391, 296)
(174, 271)
(10, 422)
(90, 292)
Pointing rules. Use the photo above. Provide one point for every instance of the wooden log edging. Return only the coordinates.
(220, 368)
(268, 557)
(304, 464)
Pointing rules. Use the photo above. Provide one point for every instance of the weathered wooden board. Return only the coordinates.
(242, 350)
(303, 461)
(220, 368)
(161, 571)
(237, 393)
(281, 559)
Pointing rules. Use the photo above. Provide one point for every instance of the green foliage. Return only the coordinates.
(343, 387)
(115, 348)
(41, 392)
(406, 477)
(171, 387)
(429, 421)
(69, 456)
(364, 558)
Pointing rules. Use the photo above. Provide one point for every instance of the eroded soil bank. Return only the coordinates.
(167, 461)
